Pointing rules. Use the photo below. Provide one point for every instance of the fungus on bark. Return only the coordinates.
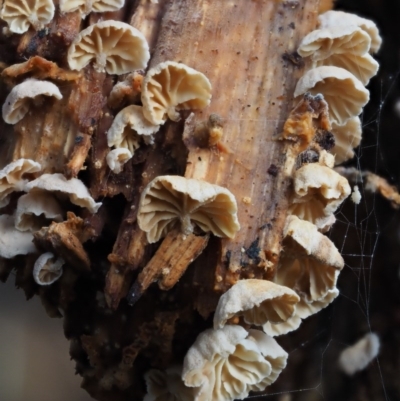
(47, 269)
(85, 7)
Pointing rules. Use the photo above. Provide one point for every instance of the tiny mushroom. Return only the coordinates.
(116, 159)
(169, 87)
(21, 14)
(258, 301)
(344, 93)
(318, 192)
(85, 7)
(24, 95)
(172, 201)
(12, 177)
(115, 47)
(226, 364)
(74, 188)
(47, 269)
(344, 20)
(35, 210)
(341, 46)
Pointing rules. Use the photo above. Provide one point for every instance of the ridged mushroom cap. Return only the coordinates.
(85, 7)
(47, 269)
(116, 158)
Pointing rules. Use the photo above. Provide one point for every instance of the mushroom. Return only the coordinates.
(258, 301)
(167, 385)
(115, 47)
(85, 7)
(47, 269)
(169, 87)
(12, 241)
(23, 96)
(116, 159)
(35, 210)
(74, 188)
(344, 93)
(12, 177)
(127, 91)
(341, 46)
(170, 201)
(344, 20)
(318, 192)
(347, 137)
(228, 363)
(128, 128)
(20, 14)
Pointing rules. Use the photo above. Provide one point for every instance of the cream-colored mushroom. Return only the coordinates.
(47, 269)
(85, 7)
(170, 201)
(228, 363)
(13, 177)
(326, 159)
(347, 137)
(115, 47)
(258, 301)
(341, 46)
(128, 129)
(169, 87)
(167, 385)
(344, 93)
(12, 241)
(35, 210)
(21, 14)
(116, 159)
(126, 91)
(22, 97)
(344, 20)
(318, 192)
(73, 188)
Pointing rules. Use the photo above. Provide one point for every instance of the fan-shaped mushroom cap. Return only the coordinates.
(258, 301)
(228, 363)
(11, 177)
(85, 7)
(347, 137)
(12, 241)
(20, 14)
(318, 192)
(47, 269)
(344, 46)
(116, 47)
(310, 262)
(35, 210)
(116, 159)
(22, 96)
(342, 19)
(167, 385)
(75, 189)
(344, 93)
(128, 127)
(169, 87)
(169, 201)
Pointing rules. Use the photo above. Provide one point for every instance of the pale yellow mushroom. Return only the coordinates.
(47, 269)
(116, 158)
(85, 7)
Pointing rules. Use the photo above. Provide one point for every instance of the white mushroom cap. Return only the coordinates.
(47, 269)
(85, 7)
(128, 127)
(344, 93)
(359, 355)
(228, 363)
(310, 262)
(170, 201)
(318, 192)
(258, 301)
(167, 385)
(116, 159)
(169, 87)
(115, 47)
(75, 189)
(341, 46)
(24, 95)
(326, 159)
(20, 14)
(35, 210)
(11, 177)
(347, 137)
(12, 241)
(342, 19)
